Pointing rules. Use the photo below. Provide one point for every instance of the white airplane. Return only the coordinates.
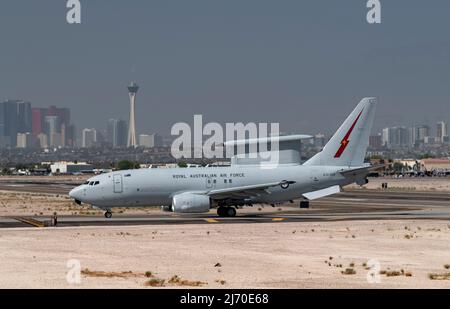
(197, 190)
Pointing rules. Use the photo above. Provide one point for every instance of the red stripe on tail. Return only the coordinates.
(345, 140)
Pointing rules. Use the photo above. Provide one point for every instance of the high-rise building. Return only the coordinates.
(24, 117)
(15, 117)
(375, 141)
(43, 140)
(53, 130)
(89, 138)
(10, 122)
(395, 137)
(122, 133)
(422, 132)
(116, 132)
(412, 136)
(132, 91)
(70, 136)
(38, 120)
(442, 131)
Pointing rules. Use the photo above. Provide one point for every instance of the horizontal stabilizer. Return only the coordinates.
(322, 193)
(362, 171)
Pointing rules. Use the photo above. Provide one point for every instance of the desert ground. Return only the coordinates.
(411, 254)
(327, 254)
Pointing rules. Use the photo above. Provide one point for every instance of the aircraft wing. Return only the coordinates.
(246, 191)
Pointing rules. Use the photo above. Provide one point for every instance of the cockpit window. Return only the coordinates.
(91, 183)
(96, 183)
(86, 183)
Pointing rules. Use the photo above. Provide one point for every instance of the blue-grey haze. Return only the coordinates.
(303, 63)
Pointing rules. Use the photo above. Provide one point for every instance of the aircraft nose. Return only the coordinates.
(75, 193)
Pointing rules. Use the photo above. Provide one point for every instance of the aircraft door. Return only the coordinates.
(118, 185)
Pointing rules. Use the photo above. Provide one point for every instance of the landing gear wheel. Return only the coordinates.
(108, 214)
(221, 211)
(304, 204)
(226, 211)
(231, 212)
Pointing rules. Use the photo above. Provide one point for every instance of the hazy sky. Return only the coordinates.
(303, 63)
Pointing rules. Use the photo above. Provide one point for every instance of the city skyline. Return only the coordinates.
(23, 125)
(275, 64)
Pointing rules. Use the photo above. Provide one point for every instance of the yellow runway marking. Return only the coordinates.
(211, 220)
(30, 221)
(278, 219)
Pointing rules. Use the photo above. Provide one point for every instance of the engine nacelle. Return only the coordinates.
(190, 203)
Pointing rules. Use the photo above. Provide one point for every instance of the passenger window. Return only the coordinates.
(225, 181)
(214, 181)
(127, 175)
(230, 181)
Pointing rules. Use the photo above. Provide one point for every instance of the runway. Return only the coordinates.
(346, 206)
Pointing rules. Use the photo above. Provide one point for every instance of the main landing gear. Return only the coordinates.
(304, 204)
(226, 211)
(108, 214)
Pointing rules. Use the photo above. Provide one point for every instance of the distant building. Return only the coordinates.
(429, 140)
(53, 130)
(70, 136)
(24, 117)
(53, 120)
(71, 167)
(442, 131)
(25, 140)
(38, 118)
(422, 132)
(9, 122)
(395, 137)
(150, 141)
(89, 138)
(42, 140)
(435, 165)
(116, 132)
(375, 141)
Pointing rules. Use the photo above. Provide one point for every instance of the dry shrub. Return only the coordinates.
(349, 271)
(175, 280)
(155, 282)
(445, 276)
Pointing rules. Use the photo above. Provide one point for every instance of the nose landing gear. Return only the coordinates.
(108, 214)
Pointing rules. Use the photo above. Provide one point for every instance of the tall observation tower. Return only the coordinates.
(132, 91)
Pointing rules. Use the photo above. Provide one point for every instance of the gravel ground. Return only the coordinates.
(272, 255)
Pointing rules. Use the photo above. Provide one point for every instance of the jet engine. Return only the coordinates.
(190, 203)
